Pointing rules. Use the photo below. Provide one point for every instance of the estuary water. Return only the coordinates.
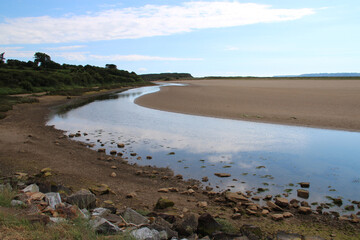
(262, 158)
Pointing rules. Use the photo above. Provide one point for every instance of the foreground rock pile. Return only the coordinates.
(55, 207)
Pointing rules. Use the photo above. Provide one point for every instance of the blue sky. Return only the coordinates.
(204, 38)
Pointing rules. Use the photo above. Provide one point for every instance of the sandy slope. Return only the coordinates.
(331, 104)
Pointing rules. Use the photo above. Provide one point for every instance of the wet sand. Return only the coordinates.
(332, 104)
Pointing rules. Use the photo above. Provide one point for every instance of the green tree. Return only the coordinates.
(42, 58)
(110, 66)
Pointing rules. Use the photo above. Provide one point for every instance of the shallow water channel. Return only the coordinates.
(257, 155)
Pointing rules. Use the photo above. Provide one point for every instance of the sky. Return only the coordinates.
(204, 38)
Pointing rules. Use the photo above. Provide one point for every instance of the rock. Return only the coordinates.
(288, 215)
(277, 217)
(113, 152)
(17, 203)
(236, 216)
(42, 219)
(100, 189)
(252, 232)
(282, 202)
(190, 191)
(313, 238)
(5, 187)
(134, 217)
(113, 167)
(131, 195)
(133, 154)
(101, 150)
(83, 199)
(53, 199)
(273, 206)
(100, 212)
(148, 157)
(303, 193)
(31, 188)
(304, 184)
(305, 204)
(145, 234)
(163, 190)
(222, 175)
(235, 197)
(57, 220)
(162, 225)
(256, 198)
(250, 212)
(37, 196)
(205, 179)
(202, 204)
(207, 225)
(227, 236)
(305, 210)
(267, 197)
(120, 145)
(102, 226)
(163, 203)
(349, 208)
(187, 225)
(113, 174)
(288, 236)
(264, 212)
(173, 189)
(84, 213)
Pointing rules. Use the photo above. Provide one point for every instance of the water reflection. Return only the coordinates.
(257, 155)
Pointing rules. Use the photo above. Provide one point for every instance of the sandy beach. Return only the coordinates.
(332, 104)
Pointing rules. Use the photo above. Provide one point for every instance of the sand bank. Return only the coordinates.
(333, 104)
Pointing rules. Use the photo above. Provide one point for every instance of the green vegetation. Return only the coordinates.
(45, 75)
(226, 226)
(7, 102)
(165, 76)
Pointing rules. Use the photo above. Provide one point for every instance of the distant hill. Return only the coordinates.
(323, 75)
(165, 76)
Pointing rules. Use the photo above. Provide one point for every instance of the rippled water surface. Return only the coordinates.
(257, 155)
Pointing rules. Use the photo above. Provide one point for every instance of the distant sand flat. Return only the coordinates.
(333, 104)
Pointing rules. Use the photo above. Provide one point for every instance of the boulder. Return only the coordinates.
(102, 226)
(235, 197)
(134, 217)
(163, 203)
(83, 199)
(207, 225)
(101, 150)
(222, 175)
(304, 184)
(121, 145)
(288, 215)
(252, 232)
(282, 202)
(305, 210)
(277, 217)
(273, 206)
(162, 225)
(31, 188)
(113, 152)
(303, 193)
(53, 199)
(145, 234)
(100, 212)
(100, 189)
(188, 225)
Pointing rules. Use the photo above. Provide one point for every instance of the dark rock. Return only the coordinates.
(134, 217)
(162, 225)
(304, 184)
(100, 189)
(222, 175)
(349, 208)
(83, 199)
(288, 236)
(305, 210)
(227, 236)
(303, 193)
(252, 232)
(102, 226)
(163, 203)
(273, 206)
(282, 202)
(207, 225)
(187, 226)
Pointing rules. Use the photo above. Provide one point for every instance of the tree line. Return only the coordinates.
(43, 74)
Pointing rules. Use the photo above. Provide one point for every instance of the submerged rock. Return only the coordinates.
(222, 175)
(303, 193)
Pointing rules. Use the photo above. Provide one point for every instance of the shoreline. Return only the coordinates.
(27, 145)
(324, 104)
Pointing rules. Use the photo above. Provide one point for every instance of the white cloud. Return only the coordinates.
(63, 48)
(140, 58)
(149, 20)
(16, 52)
